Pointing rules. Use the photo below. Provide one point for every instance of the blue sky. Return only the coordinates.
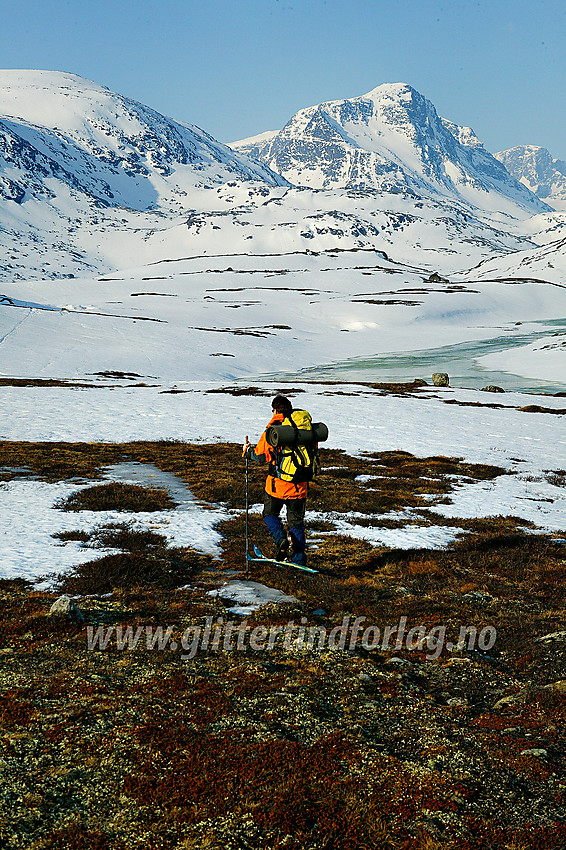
(238, 67)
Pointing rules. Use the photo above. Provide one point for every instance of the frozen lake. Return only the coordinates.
(460, 361)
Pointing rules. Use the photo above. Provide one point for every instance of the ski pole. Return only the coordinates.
(247, 504)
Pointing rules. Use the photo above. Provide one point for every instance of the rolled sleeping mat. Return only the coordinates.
(286, 435)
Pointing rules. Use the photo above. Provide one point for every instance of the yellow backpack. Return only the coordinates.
(297, 463)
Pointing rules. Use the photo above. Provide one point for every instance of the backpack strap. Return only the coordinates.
(295, 429)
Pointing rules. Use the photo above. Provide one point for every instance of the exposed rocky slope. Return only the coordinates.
(539, 171)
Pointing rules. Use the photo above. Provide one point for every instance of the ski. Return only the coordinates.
(259, 556)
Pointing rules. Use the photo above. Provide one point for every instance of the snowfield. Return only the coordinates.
(137, 243)
(351, 314)
(527, 445)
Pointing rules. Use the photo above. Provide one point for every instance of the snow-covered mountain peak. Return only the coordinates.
(396, 90)
(539, 171)
(77, 159)
(105, 145)
(390, 139)
(47, 98)
(398, 96)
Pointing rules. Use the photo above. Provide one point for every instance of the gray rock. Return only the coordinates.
(552, 636)
(519, 699)
(441, 379)
(399, 663)
(540, 753)
(556, 687)
(480, 597)
(492, 388)
(512, 700)
(436, 278)
(65, 607)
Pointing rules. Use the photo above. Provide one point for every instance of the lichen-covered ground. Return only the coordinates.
(293, 746)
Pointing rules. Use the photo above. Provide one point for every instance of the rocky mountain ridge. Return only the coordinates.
(104, 145)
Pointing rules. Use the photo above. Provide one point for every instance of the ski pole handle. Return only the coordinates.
(246, 446)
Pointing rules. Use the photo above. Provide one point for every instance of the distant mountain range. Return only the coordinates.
(92, 181)
(536, 168)
(132, 243)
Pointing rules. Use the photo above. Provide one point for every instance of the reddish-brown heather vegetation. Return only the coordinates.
(302, 749)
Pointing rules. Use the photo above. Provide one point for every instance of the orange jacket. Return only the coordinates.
(275, 486)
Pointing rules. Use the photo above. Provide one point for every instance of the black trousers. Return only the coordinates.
(295, 509)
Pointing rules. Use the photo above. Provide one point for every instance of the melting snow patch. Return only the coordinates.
(409, 537)
(28, 521)
(149, 475)
(249, 596)
(527, 497)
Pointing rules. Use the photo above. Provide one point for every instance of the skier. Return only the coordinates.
(278, 493)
